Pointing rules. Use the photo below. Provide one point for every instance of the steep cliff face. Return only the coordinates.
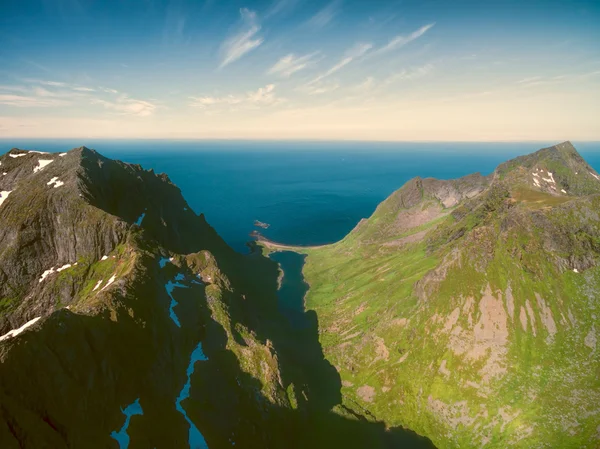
(109, 284)
(473, 321)
(126, 321)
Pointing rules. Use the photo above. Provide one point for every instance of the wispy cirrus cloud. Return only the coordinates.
(402, 40)
(280, 7)
(40, 94)
(319, 88)
(366, 85)
(550, 80)
(127, 106)
(58, 84)
(27, 101)
(324, 16)
(353, 53)
(246, 40)
(260, 97)
(45, 82)
(409, 74)
(290, 64)
(11, 88)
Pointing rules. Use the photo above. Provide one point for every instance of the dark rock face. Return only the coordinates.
(76, 253)
(116, 282)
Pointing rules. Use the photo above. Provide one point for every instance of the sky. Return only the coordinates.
(429, 70)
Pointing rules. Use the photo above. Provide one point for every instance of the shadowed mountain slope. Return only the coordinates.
(116, 298)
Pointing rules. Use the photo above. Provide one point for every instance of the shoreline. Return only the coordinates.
(272, 245)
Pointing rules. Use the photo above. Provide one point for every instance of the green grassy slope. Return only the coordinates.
(474, 323)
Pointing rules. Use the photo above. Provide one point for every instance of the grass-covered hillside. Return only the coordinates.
(469, 310)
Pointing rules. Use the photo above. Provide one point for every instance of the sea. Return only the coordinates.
(308, 192)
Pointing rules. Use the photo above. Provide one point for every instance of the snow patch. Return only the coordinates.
(575, 270)
(104, 257)
(563, 190)
(15, 332)
(38, 152)
(3, 195)
(98, 284)
(595, 176)
(110, 281)
(46, 273)
(17, 155)
(56, 182)
(64, 267)
(41, 164)
(62, 154)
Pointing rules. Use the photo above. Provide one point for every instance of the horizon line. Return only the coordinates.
(291, 140)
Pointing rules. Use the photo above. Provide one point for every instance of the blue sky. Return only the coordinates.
(300, 69)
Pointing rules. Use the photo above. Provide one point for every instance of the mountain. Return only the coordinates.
(468, 310)
(126, 321)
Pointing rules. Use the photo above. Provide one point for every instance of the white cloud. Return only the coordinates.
(529, 79)
(366, 85)
(400, 40)
(291, 64)
(545, 81)
(41, 92)
(319, 88)
(13, 88)
(57, 84)
(128, 106)
(109, 91)
(325, 15)
(30, 101)
(243, 42)
(57, 94)
(47, 83)
(261, 97)
(355, 52)
(280, 6)
(409, 74)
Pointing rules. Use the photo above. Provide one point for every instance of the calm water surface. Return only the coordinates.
(309, 192)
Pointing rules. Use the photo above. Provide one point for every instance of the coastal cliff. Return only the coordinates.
(467, 309)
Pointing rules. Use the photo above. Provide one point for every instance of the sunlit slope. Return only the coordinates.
(467, 310)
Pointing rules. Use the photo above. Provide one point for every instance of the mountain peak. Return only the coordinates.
(557, 170)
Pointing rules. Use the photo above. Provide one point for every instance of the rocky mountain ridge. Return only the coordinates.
(126, 321)
(473, 322)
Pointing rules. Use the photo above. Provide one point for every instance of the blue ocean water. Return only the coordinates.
(309, 192)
